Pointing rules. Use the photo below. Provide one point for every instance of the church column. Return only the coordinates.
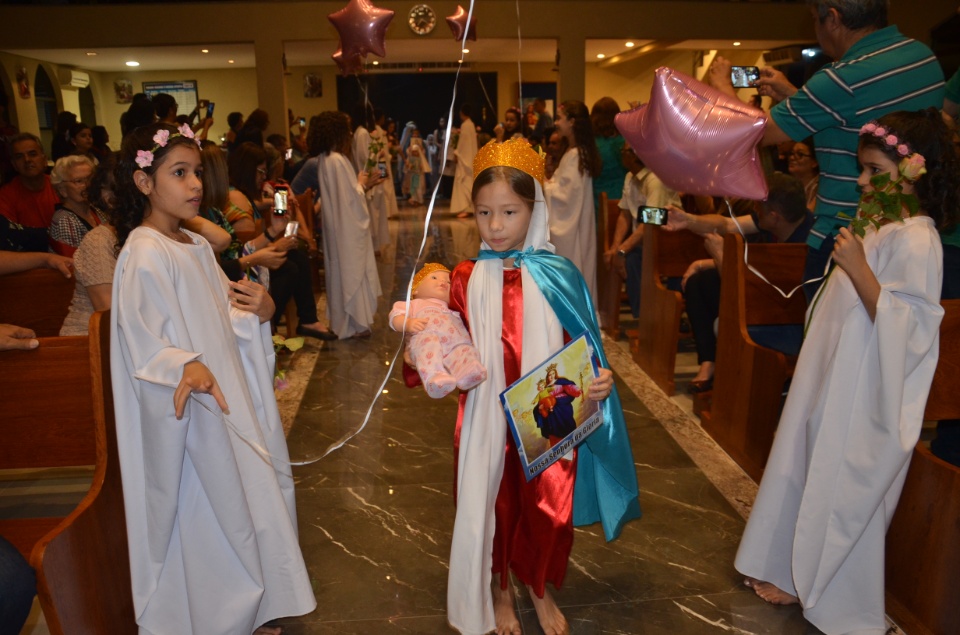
(573, 67)
(271, 89)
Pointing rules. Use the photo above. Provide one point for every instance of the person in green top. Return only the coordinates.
(609, 143)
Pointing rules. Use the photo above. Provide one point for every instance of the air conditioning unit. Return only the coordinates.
(72, 78)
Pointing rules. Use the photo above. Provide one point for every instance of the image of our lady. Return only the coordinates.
(559, 422)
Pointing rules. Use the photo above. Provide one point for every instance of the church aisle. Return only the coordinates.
(376, 516)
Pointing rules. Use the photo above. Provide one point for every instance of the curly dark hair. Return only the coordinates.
(329, 132)
(601, 117)
(583, 139)
(926, 133)
(242, 164)
(131, 203)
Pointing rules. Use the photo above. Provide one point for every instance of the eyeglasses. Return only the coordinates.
(261, 171)
(799, 155)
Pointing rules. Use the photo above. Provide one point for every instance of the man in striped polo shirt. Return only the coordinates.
(878, 70)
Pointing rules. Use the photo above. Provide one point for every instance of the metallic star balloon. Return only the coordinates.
(362, 28)
(697, 139)
(347, 65)
(458, 24)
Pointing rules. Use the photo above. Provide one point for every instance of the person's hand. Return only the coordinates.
(197, 378)
(17, 338)
(498, 132)
(253, 298)
(61, 263)
(677, 219)
(848, 252)
(602, 386)
(367, 180)
(286, 243)
(610, 256)
(269, 257)
(692, 269)
(774, 84)
(713, 243)
(718, 75)
(278, 223)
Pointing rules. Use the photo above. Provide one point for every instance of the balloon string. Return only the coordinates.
(336, 445)
(519, 72)
(746, 261)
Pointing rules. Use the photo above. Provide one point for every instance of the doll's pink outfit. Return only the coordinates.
(443, 352)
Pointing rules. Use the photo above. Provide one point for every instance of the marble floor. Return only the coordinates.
(376, 515)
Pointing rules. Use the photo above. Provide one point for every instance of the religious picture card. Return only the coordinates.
(548, 410)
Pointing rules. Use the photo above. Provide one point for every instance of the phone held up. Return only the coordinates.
(653, 215)
(280, 195)
(383, 169)
(744, 76)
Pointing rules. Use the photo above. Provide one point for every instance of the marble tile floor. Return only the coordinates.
(376, 516)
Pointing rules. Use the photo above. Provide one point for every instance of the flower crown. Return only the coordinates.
(161, 139)
(912, 164)
(515, 153)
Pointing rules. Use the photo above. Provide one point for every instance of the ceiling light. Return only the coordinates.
(91, 54)
(133, 63)
(600, 56)
(204, 50)
(229, 61)
(376, 63)
(465, 51)
(736, 43)
(629, 44)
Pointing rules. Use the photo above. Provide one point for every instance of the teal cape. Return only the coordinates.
(606, 487)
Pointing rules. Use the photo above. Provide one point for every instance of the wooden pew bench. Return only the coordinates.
(665, 255)
(47, 419)
(748, 378)
(38, 299)
(923, 542)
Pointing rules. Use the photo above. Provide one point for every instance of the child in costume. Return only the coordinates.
(521, 303)
(417, 166)
(853, 415)
(545, 400)
(440, 345)
(207, 484)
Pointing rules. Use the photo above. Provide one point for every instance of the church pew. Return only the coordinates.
(37, 299)
(83, 568)
(748, 378)
(923, 542)
(609, 282)
(47, 419)
(665, 254)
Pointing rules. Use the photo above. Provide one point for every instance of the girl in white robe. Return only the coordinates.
(855, 407)
(353, 284)
(207, 484)
(569, 192)
(461, 201)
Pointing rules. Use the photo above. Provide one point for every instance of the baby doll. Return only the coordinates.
(440, 345)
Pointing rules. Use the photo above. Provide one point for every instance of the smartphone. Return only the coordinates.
(303, 122)
(210, 106)
(280, 196)
(288, 154)
(653, 215)
(383, 169)
(292, 228)
(744, 76)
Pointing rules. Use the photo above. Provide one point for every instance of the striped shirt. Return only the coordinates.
(882, 72)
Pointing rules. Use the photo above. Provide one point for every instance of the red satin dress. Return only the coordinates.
(534, 524)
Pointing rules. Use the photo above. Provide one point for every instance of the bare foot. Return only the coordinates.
(770, 593)
(551, 619)
(503, 609)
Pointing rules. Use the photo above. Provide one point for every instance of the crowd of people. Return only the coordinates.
(197, 248)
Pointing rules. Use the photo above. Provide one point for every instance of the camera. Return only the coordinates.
(653, 215)
(383, 169)
(744, 76)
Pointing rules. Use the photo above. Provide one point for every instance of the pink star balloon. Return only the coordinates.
(362, 28)
(458, 24)
(697, 139)
(347, 65)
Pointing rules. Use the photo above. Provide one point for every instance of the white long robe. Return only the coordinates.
(848, 429)
(361, 148)
(573, 225)
(461, 200)
(382, 199)
(211, 523)
(353, 284)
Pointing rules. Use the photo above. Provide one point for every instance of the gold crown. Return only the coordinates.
(552, 367)
(425, 271)
(515, 153)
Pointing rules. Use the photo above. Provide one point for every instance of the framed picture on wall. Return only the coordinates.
(23, 82)
(123, 89)
(312, 85)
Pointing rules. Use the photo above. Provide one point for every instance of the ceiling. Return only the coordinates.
(317, 53)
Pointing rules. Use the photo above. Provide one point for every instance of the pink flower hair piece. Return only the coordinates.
(879, 131)
(144, 158)
(903, 150)
(161, 137)
(186, 131)
(868, 128)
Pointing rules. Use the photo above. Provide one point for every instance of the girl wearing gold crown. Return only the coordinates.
(521, 302)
